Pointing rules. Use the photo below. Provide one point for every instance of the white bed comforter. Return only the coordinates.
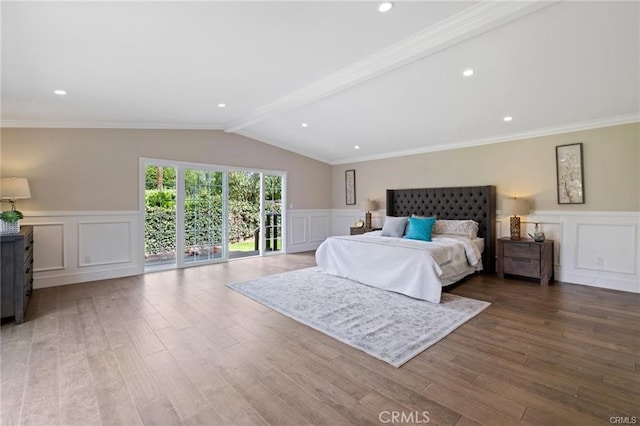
(404, 266)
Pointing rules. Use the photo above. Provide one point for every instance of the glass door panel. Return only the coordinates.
(203, 216)
(159, 217)
(243, 221)
(272, 213)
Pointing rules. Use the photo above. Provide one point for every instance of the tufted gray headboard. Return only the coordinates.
(467, 202)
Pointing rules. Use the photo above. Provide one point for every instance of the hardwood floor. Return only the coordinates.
(178, 347)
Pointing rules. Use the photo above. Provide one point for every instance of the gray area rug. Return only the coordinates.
(389, 326)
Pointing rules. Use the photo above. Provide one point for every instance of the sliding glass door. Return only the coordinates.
(196, 214)
(243, 216)
(203, 209)
(272, 213)
(159, 197)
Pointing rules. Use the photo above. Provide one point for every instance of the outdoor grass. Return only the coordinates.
(242, 246)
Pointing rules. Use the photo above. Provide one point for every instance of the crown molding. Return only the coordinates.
(479, 18)
(556, 130)
(105, 125)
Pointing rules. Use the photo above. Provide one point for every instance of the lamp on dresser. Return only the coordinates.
(515, 207)
(12, 189)
(368, 206)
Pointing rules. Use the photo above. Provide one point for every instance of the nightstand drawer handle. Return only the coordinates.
(522, 260)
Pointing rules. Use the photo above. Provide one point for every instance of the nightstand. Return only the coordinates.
(354, 230)
(525, 258)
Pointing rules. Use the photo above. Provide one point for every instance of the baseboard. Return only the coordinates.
(298, 248)
(82, 277)
(597, 280)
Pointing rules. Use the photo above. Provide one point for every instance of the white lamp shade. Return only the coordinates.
(369, 205)
(515, 206)
(14, 188)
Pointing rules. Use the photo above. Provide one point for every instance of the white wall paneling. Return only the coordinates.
(307, 229)
(74, 247)
(319, 228)
(104, 243)
(343, 219)
(50, 249)
(606, 247)
(298, 229)
(598, 249)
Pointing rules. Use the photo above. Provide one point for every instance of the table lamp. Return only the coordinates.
(368, 206)
(14, 188)
(515, 207)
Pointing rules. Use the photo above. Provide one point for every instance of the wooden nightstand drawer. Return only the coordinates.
(526, 258)
(357, 230)
(522, 250)
(523, 267)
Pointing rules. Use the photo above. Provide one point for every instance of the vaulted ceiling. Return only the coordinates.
(389, 83)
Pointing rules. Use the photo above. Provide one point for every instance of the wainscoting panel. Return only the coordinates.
(597, 249)
(48, 253)
(75, 247)
(343, 219)
(600, 249)
(610, 248)
(319, 228)
(104, 243)
(298, 229)
(307, 229)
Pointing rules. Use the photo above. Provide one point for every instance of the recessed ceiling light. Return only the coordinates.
(385, 7)
(508, 118)
(222, 105)
(60, 92)
(468, 72)
(304, 125)
(356, 147)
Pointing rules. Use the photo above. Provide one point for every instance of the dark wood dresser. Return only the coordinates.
(17, 273)
(526, 258)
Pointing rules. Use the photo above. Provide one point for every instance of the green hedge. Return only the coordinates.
(202, 222)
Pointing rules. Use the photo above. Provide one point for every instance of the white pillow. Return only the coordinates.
(467, 228)
(394, 226)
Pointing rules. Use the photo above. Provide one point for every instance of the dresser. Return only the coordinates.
(525, 258)
(17, 273)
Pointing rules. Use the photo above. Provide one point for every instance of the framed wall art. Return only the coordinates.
(350, 186)
(569, 171)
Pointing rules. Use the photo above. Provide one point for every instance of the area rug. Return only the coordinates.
(389, 326)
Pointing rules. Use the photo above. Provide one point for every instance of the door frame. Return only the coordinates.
(180, 167)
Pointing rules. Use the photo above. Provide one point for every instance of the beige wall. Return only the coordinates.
(97, 169)
(524, 168)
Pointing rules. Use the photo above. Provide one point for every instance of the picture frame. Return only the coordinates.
(569, 174)
(350, 186)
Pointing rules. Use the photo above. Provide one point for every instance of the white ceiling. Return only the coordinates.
(390, 83)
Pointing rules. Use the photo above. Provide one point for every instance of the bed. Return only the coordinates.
(416, 268)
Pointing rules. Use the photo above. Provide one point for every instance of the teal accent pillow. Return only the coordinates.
(419, 228)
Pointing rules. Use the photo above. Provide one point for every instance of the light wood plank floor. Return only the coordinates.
(178, 347)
